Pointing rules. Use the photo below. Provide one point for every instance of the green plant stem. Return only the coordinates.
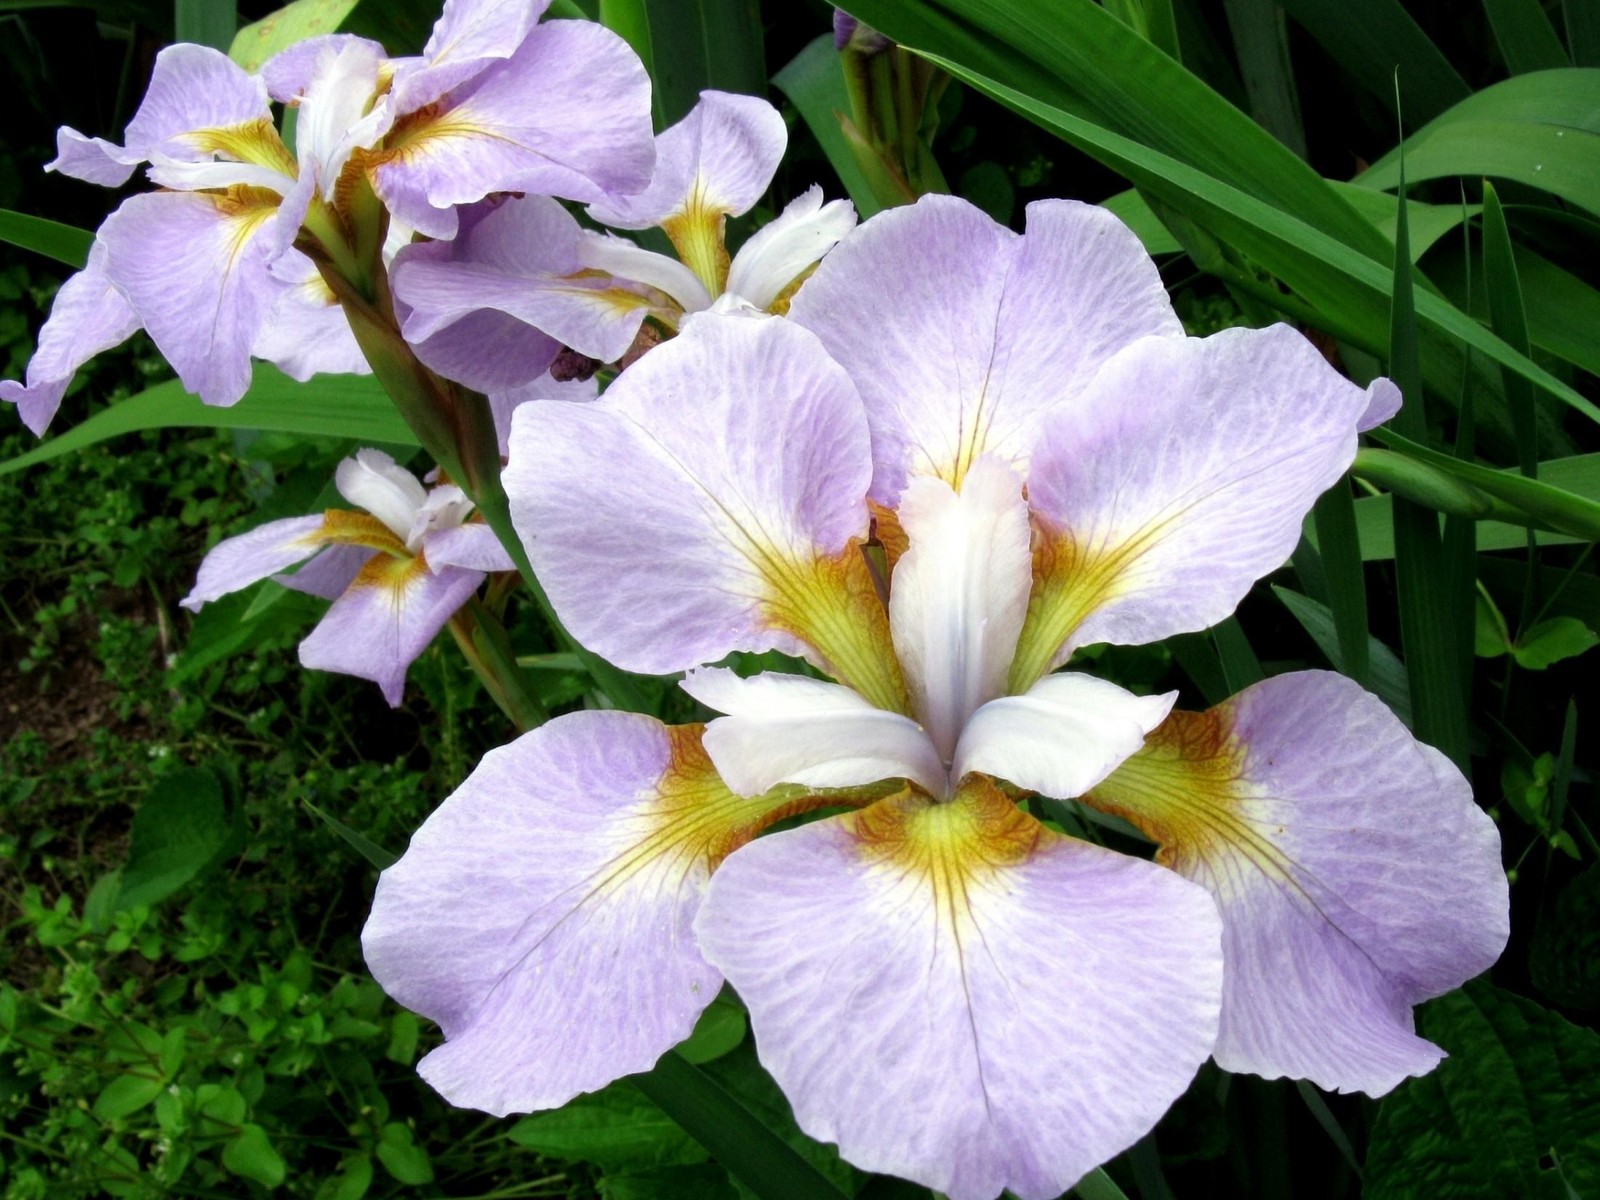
(483, 644)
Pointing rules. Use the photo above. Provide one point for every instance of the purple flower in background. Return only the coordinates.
(396, 572)
(209, 266)
(493, 307)
(967, 454)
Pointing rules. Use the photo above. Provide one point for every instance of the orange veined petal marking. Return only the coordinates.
(698, 235)
(831, 602)
(1187, 789)
(344, 527)
(255, 142)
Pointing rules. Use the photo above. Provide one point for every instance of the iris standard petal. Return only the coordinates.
(712, 500)
(783, 250)
(247, 558)
(962, 336)
(505, 402)
(794, 729)
(87, 316)
(372, 480)
(959, 593)
(290, 73)
(393, 608)
(469, 37)
(1063, 736)
(1178, 479)
(716, 162)
(1355, 874)
(194, 267)
(1004, 1007)
(542, 913)
(568, 115)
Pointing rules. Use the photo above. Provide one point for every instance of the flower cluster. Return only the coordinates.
(963, 455)
(928, 459)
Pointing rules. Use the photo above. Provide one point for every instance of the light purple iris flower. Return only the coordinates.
(396, 571)
(493, 308)
(497, 102)
(963, 455)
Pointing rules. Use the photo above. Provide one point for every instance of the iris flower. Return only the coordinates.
(209, 267)
(493, 307)
(963, 456)
(396, 571)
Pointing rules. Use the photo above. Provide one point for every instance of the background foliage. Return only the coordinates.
(192, 825)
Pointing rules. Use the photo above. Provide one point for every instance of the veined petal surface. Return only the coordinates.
(250, 557)
(793, 729)
(393, 608)
(520, 258)
(710, 501)
(959, 593)
(306, 332)
(1355, 874)
(195, 268)
(1177, 479)
(87, 316)
(505, 402)
(961, 335)
(542, 914)
(568, 114)
(1060, 738)
(1004, 1007)
(469, 37)
(716, 162)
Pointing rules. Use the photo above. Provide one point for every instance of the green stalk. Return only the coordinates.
(484, 645)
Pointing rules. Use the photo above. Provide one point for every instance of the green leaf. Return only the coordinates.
(1509, 321)
(1553, 641)
(1263, 51)
(1134, 211)
(1528, 41)
(276, 31)
(252, 1156)
(351, 1183)
(720, 1028)
(206, 22)
(1490, 637)
(404, 1029)
(127, 1094)
(815, 84)
(1375, 39)
(616, 1128)
(1350, 292)
(401, 1156)
(1387, 674)
(1511, 1112)
(65, 243)
(1564, 959)
(1582, 19)
(704, 1182)
(352, 406)
(181, 828)
(1335, 518)
(690, 45)
(360, 843)
(1097, 1185)
(1541, 129)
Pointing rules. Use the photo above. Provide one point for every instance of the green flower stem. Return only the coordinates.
(486, 648)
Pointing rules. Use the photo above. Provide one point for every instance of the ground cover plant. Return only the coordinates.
(725, 599)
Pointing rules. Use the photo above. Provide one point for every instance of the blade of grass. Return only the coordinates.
(1097, 1185)
(1509, 321)
(1527, 40)
(1330, 1124)
(731, 1133)
(1197, 655)
(1240, 666)
(1340, 548)
(1582, 19)
(64, 243)
(360, 843)
(1427, 642)
(1371, 40)
(814, 82)
(208, 22)
(1387, 674)
(1258, 40)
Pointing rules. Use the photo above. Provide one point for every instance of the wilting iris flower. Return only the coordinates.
(964, 455)
(396, 571)
(209, 265)
(493, 307)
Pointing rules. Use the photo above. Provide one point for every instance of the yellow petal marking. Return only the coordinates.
(698, 235)
(970, 838)
(342, 526)
(832, 604)
(255, 142)
(1186, 789)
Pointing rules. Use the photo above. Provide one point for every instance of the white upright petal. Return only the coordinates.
(959, 593)
(793, 729)
(446, 507)
(374, 481)
(780, 251)
(331, 120)
(1063, 736)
